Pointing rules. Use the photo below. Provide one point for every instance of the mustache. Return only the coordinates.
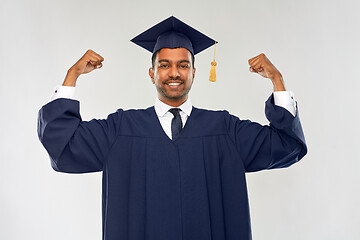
(174, 79)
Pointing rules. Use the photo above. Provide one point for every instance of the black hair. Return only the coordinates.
(155, 53)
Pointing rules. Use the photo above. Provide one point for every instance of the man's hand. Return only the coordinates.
(87, 63)
(262, 65)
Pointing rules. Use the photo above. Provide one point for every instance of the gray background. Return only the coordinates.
(315, 45)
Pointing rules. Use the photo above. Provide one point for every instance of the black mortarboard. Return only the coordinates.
(173, 33)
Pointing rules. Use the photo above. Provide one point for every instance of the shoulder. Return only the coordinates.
(130, 115)
(137, 113)
(209, 112)
(211, 121)
(221, 119)
(214, 115)
(137, 122)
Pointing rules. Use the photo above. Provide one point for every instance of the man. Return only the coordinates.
(172, 171)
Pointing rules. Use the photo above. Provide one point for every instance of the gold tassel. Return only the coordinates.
(212, 77)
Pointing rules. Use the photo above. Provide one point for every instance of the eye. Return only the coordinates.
(184, 66)
(163, 66)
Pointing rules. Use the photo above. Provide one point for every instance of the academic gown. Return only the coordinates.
(155, 188)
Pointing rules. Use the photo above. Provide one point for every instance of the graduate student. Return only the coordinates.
(172, 171)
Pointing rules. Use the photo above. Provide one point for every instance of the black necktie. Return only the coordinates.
(176, 123)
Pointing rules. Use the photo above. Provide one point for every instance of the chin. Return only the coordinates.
(174, 97)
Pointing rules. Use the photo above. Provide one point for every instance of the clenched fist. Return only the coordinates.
(90, 61)
(262, 65)
(87, 63)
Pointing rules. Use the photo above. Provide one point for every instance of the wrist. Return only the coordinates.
(278, 83)
(71, 78)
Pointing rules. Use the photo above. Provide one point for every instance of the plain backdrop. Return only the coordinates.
(314, 44)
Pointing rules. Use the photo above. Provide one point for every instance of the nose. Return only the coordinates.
(174, 73)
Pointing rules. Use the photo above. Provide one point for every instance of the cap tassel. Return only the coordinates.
(212, 77)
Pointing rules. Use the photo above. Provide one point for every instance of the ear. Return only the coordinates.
(151, 74)
(194, 70)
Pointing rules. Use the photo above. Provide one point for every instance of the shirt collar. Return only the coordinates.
(162, 108)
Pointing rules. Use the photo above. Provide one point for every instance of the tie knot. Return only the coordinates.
(175, 111)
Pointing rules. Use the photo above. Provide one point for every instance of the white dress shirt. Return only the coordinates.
(283, 99)
(165, 117)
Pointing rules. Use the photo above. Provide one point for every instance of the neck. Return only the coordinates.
(173, 102)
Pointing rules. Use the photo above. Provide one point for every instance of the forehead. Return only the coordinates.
(174, 54)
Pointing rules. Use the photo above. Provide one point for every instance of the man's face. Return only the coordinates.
(173, 75)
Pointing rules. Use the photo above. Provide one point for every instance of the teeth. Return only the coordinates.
(174, 84)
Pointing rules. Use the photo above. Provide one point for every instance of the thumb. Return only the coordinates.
(99, 65)
(252, 70)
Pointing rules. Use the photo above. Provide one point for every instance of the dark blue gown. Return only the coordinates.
(192, 188)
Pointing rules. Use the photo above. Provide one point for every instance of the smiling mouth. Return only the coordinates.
(174, 84)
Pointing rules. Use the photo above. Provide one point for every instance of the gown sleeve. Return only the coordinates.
(75, 146)
(278, 145)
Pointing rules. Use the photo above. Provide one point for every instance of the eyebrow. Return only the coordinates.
(181, 61)
(184, 61)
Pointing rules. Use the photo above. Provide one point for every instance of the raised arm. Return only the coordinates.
(282, 142)
(76, 146)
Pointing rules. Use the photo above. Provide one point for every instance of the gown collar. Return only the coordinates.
(162, 108)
